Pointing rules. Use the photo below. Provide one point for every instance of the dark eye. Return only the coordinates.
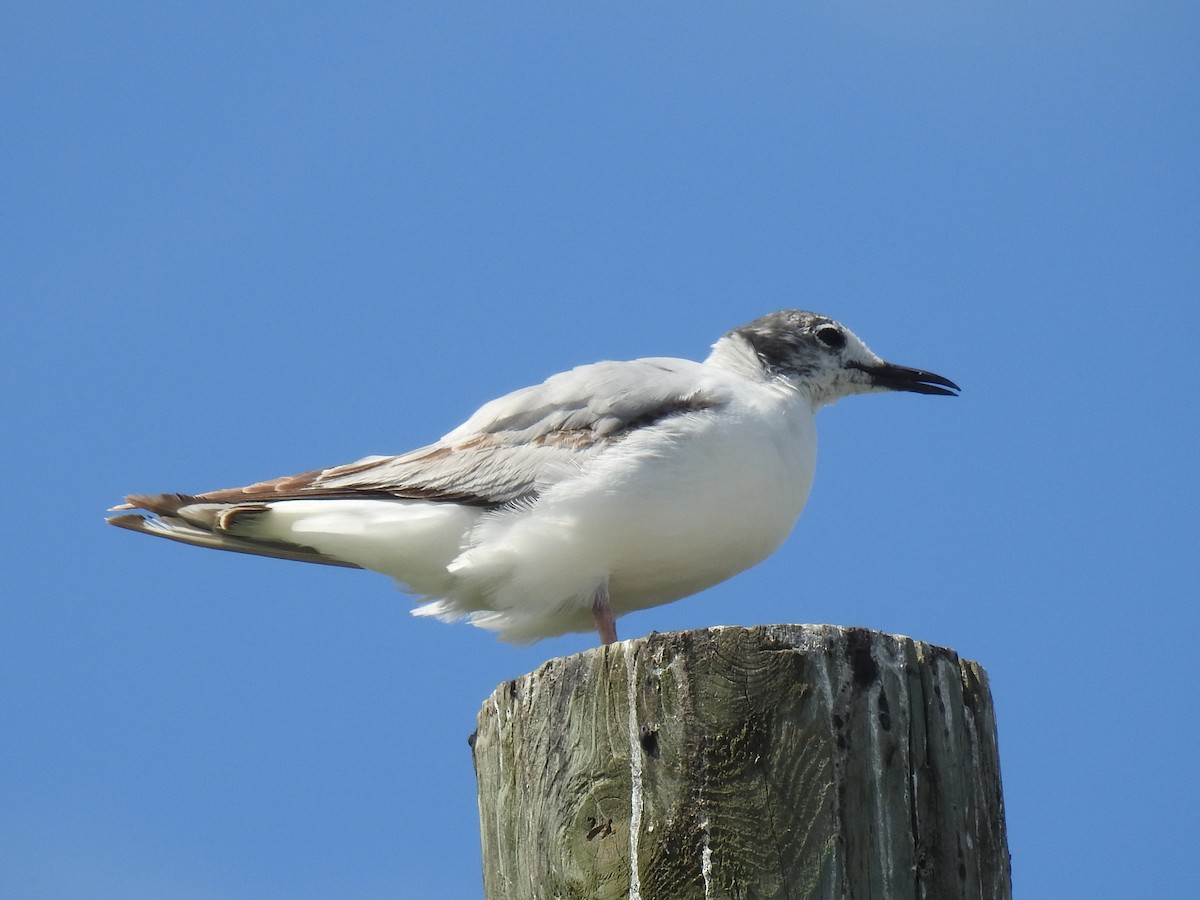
(831, 337)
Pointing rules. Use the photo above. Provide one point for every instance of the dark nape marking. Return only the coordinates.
(784, 341)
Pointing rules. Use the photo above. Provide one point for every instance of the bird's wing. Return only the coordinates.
(510, 449)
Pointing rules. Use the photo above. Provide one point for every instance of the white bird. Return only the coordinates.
(612, 487)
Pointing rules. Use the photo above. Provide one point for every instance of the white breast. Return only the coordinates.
(670, 511)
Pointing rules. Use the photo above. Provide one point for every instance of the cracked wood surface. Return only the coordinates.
(787, 761)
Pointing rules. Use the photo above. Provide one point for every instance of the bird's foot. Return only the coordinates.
(606, 622)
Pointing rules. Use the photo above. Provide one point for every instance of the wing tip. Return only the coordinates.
(188, 533)
(131, 521)
(159, 504)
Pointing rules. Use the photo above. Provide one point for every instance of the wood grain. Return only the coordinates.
(784, 761)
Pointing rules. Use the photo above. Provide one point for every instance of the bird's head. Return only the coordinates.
(826, 360)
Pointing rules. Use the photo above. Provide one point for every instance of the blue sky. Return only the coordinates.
(245, 240)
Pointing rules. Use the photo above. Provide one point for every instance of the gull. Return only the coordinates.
(608, 488)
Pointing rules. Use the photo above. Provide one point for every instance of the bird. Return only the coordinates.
(608, 488)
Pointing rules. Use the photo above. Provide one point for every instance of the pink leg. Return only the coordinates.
(606, 622)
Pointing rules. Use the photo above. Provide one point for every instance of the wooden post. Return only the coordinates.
(786, 761)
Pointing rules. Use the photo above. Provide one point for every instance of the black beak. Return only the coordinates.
(902, 378)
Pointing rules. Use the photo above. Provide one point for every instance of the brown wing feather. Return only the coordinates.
(508, 451)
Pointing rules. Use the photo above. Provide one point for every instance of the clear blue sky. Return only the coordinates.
(244, 240)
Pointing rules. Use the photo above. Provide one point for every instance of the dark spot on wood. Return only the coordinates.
(885, 713)
(649, 741)
(596, 828)
(471, 738)
(858, 653)
(512, 689)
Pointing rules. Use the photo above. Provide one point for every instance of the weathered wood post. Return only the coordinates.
(781, 761)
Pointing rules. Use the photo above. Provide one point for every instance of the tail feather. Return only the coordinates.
(202, 528)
